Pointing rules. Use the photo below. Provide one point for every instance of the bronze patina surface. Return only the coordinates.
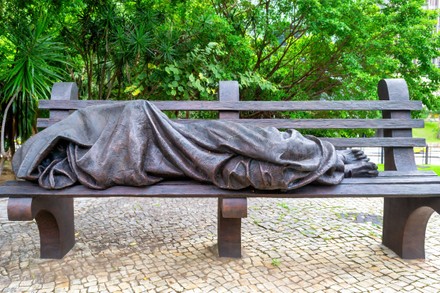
(135, 144)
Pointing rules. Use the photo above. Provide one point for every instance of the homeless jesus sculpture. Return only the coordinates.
(134, 143)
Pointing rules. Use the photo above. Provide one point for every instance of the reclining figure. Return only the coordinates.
(135, 144)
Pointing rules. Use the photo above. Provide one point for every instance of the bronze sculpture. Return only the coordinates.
(134, 143)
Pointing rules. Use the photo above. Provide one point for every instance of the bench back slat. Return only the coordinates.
(306, 123)
(249, 105)
(339, 142)
(396, 142)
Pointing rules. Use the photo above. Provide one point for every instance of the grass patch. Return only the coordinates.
(276, 262)
(429, 132)
(434, 168)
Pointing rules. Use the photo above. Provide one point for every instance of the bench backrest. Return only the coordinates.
(395, 126)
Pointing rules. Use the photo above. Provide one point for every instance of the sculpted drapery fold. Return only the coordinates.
(134, 143)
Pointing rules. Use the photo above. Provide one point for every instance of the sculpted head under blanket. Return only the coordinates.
(134, 143)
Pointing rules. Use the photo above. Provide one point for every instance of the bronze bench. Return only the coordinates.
(411, 196)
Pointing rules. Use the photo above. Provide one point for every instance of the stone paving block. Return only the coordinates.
(168, 245)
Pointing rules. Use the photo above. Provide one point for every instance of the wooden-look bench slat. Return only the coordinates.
(397, 180)
(424, 187)
(342, 142)
(249, 105)
(376, 142)
(328, 123)
(406, 173)
(307, 123)
(390, 178)
(383, 175)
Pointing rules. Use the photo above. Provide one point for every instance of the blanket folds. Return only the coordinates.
(134, 143)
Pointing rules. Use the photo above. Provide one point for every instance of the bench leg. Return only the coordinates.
(55, 220)
(404, 225)
(230, 212)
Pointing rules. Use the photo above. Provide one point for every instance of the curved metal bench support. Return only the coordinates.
(405, 219)
(55, 220)
(405, 225)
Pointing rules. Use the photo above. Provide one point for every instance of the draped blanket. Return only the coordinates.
(134, 143)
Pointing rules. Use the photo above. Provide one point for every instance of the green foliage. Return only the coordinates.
(429, 132)
(196, 76)
(32, 63)
(276, 262)
(179, 50)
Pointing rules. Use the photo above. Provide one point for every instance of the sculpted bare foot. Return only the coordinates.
(360, 169)
(351, 156)
(356, 164)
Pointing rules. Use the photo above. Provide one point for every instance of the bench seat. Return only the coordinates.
(387, 184)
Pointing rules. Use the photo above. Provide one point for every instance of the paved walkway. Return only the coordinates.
(168, 245)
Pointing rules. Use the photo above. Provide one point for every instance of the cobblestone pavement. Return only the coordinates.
(168, 245)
